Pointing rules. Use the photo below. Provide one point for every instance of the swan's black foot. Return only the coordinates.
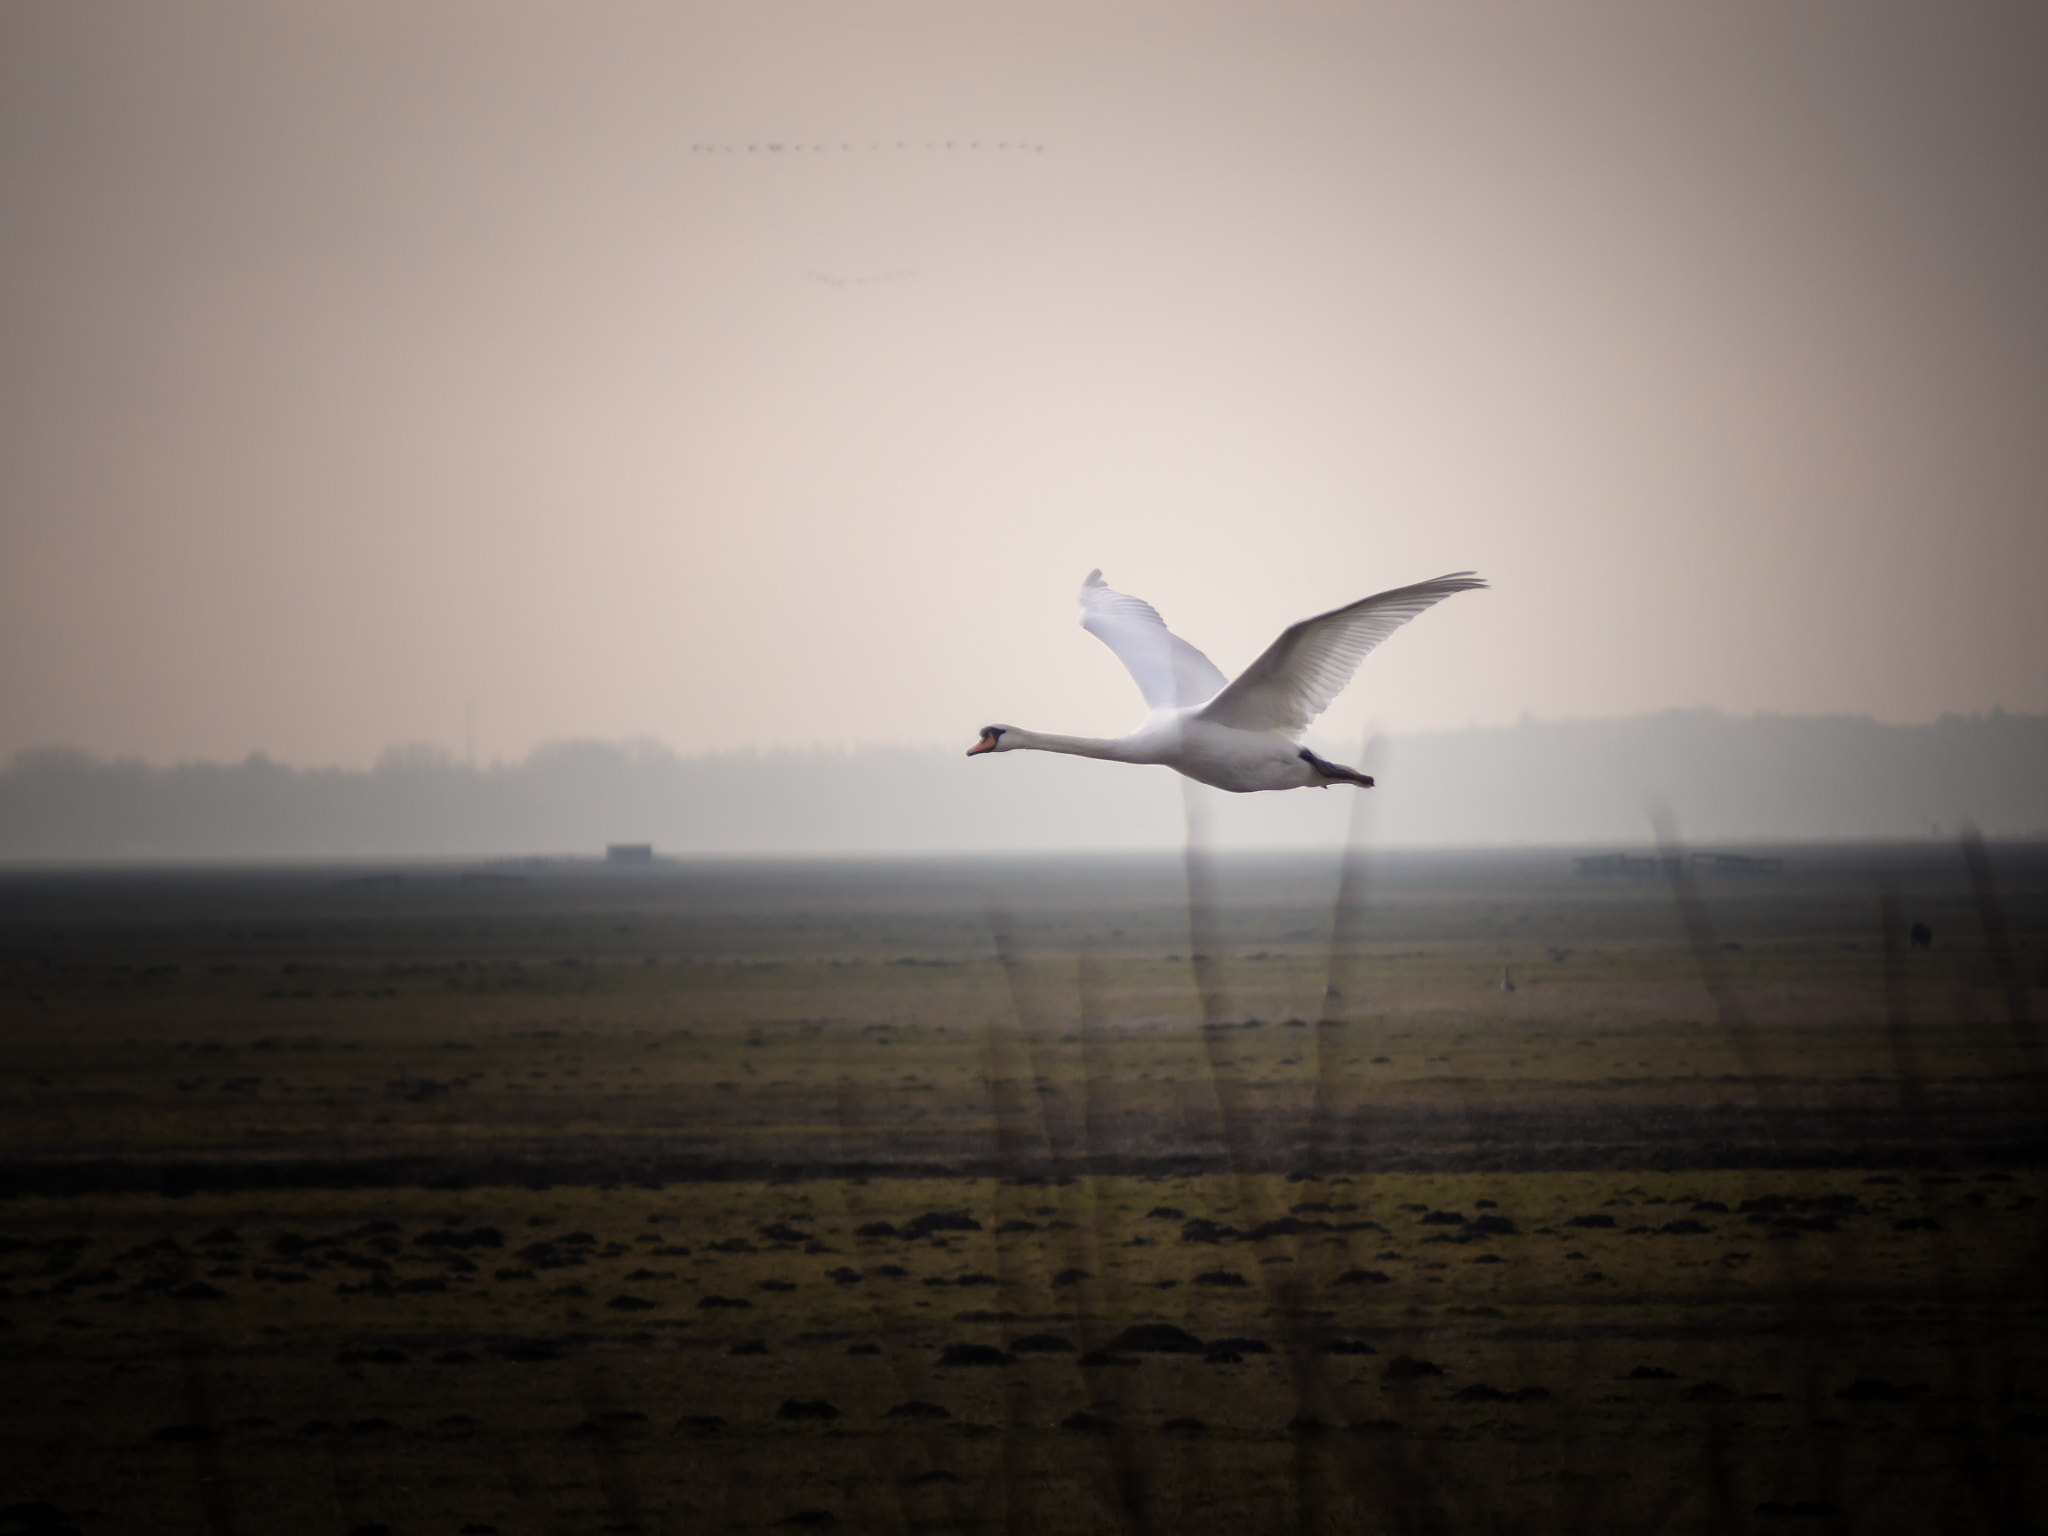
(1336, 771)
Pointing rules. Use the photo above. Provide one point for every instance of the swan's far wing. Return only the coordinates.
(1308, 666)
(1169, 671)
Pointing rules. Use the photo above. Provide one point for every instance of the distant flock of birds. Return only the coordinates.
(902, 146)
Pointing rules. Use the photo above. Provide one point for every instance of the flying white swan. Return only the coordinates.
(1244, 735)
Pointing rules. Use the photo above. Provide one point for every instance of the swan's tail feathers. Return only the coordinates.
(1336, 771)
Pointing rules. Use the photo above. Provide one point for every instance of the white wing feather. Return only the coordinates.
(1310, 664)
(1170, 672)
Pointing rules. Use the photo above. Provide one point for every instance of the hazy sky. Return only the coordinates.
(368, 367)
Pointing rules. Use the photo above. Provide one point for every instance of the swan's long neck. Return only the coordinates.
(1115, 749)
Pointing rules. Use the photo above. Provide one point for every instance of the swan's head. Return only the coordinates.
(991, 740)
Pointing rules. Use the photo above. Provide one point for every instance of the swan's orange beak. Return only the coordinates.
(986, 744)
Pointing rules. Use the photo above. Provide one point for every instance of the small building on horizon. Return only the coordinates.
(629, 853)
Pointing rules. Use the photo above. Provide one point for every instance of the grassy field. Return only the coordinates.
(951, 1196)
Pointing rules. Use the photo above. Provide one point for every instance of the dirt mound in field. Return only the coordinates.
(1158, 1339)
(800, 1408)
(975, 1354)
(938, 1221)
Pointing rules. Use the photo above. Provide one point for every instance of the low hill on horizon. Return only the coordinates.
(1753, 778)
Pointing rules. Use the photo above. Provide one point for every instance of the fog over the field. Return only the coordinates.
(766, 376)
(1586, 784)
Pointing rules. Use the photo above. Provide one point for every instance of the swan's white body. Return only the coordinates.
(1243, 735)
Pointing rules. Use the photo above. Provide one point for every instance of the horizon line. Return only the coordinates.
(422, 753)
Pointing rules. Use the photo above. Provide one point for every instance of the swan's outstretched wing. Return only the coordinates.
(1308, 666)
(1170, 672)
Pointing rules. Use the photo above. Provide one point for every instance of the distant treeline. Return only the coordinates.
(1759, 778)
